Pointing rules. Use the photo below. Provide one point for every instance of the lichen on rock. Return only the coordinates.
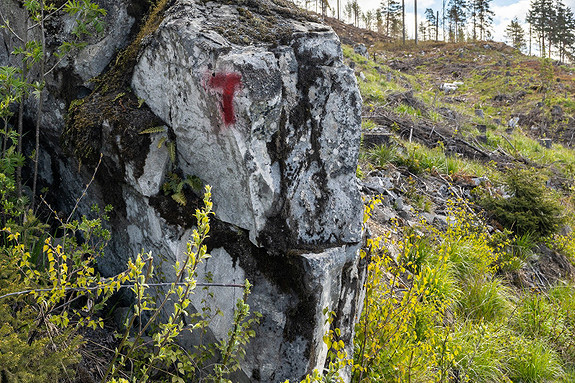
(257, 102)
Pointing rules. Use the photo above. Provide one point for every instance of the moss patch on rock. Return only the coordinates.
(114, 102)
(261, 21)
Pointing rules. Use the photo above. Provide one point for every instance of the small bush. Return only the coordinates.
(483, 349)
(529, 209)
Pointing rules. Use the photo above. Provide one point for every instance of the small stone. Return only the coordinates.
(386, 182)
(392, 195)
(478, 180)
(512, 123)
(547, 143)
(428, 217)
(441, 219)
(405, 215)
(443, 191)
(557, 111)
(479, 113)
(361, 49)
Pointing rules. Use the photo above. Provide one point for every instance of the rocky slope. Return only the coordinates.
(448, 121)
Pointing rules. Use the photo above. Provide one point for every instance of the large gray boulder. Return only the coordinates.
(257, 102)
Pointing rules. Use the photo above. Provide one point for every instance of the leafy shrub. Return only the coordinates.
(516, 250)
(529, 209)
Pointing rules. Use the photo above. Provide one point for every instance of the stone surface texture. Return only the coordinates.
(258, 103)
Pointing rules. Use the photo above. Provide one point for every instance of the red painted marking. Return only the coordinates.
(228, 84)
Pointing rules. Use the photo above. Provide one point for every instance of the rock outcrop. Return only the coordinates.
(254, 100)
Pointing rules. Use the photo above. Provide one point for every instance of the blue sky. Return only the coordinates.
(505, 11)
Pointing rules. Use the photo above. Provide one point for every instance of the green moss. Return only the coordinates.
(113, 101)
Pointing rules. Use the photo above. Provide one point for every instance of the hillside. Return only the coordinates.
(467, 173)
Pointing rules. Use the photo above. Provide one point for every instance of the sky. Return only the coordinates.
(505, 11)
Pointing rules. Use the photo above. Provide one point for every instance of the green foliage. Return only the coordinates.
(31, 357)
(435, 310)
(482, 350)
(418, 158)
(382, 155)
(42, 283)
(529, 209)
(517, 250)
(50, 291)
(164, 357)
(174, 187)
(532, 361)
(35, 59)
(483, 300)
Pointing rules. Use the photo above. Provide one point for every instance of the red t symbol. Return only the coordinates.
(227, 83)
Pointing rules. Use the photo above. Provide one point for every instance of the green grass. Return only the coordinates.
(450, 313)
(418, 158)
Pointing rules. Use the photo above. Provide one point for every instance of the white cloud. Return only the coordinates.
(505, 13)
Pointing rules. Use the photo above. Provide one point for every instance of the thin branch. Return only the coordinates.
(7, 26)
(91, 288)
(47, 16)
(85, 190)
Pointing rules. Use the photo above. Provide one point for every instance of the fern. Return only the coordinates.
(180, 198)
(175, 186)
(155, 129)
(172, 150)
(195, 183)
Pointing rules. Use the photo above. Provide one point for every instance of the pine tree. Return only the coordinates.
(457, 15)
(390, 10)
(379, 20)
(424, 30)
(515, 35)
(431, 20)
(541, 16)
(368, 18)
(356, 9)
(562, 30)
(348, 11)
(485, 18)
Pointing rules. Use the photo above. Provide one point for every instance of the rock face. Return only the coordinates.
(256, 102)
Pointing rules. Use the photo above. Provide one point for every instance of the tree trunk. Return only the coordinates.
(403, 19)
(443, 18)
(20, 128)
(40, 103)
(437, 26)
(415, 13)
